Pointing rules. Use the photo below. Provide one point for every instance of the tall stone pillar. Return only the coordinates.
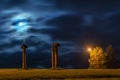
(24, 65)
(55, 55)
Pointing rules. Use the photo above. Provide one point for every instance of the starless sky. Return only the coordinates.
(75, 24)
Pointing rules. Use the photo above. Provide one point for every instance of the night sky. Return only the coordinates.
(75, 24)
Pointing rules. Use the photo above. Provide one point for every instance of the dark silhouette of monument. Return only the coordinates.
(24, 65)
(55, 55)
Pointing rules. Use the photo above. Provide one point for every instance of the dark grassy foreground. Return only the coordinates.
(70, 74)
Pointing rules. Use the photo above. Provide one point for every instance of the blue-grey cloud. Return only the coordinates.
(72, 23)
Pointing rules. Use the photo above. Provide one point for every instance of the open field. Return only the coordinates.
(67, 74)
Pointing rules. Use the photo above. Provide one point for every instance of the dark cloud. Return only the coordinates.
(67, 26)
(72, 23)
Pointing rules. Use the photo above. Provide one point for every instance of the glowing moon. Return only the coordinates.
(21, 24)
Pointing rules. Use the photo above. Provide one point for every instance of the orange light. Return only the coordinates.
(89, 49)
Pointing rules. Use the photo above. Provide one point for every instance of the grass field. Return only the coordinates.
(67, 74)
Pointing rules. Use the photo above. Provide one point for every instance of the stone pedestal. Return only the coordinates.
(24, 65)
(55, 55)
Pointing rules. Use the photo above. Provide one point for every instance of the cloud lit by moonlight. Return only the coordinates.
(21, 24)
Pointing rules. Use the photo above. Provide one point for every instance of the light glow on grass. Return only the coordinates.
(73, 74)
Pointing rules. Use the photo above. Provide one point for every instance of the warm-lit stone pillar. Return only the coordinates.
(55, 55)
(24, 65)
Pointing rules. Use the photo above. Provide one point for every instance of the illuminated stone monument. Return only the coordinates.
(55, 55)
(24, 65)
